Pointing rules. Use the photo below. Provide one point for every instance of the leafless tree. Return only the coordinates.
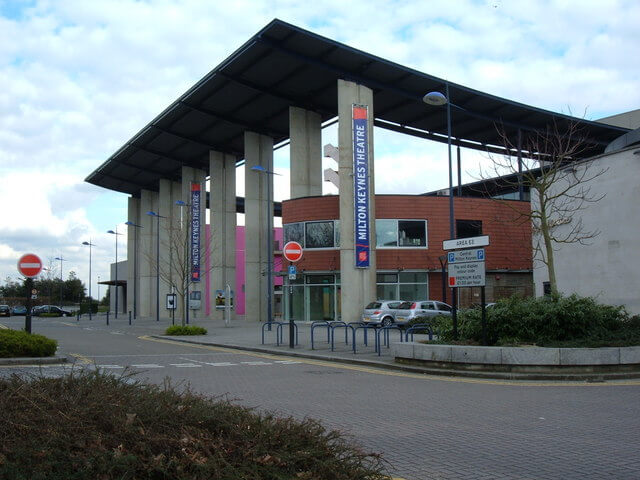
(559, 182)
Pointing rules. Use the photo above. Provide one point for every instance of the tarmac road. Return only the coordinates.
(426, 427)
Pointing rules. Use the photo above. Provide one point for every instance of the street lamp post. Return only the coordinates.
(443, 263)
(89, 244)
(135, 266)
(116, 284)
(438, 99)
(61, 260)
(158, 217)
(261, 169)
(99, 290)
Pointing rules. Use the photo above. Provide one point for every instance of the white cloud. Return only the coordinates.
(80, 78)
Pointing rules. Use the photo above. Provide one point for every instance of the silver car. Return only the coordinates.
(421, 308)
(381, 312)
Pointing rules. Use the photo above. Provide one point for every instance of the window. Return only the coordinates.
(406, 286)
(468, 228)
(401, 233)
(294, 232)
(319, 235)
(412, 233)
(386, 233)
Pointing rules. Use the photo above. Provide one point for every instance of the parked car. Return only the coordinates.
(5, 311)
(19, 310)
(407, 311)
(50, 311)
(381, 312)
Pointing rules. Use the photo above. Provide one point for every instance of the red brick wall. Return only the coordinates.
(510, 239)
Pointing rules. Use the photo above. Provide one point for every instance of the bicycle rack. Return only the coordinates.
(278, 331)
(339, 324)
(317, 324)
(418, 326)
(385, 336)
(365, 327)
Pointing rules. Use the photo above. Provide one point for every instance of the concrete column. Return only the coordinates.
(222, 248)
(167, 242)
(305, 153)
(133, 254)
(358, 285)
(147, 250)
(189, 176)
(258, 150)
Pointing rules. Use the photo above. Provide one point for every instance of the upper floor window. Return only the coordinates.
(401, 233)
(468, 228)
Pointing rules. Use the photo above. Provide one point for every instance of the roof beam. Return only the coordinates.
(202, 143)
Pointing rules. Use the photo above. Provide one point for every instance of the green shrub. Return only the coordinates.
(18, 343)
(185, 330)
(547, 321)
(89, 425)
(84, 307)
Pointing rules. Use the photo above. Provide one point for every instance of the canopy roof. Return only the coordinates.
(283, 66)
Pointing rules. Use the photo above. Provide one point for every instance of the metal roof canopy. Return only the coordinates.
(283, 66)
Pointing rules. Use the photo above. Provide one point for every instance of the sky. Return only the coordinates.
(79, 78)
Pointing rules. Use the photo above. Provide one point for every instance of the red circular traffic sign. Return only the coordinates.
(30, 265)
(292, 251)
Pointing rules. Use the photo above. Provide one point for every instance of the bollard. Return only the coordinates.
(107, 317)
(78, 319)
(129, 317)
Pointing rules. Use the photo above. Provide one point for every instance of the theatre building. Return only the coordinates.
(282, 87)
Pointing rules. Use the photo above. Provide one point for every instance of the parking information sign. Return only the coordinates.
(466, 268)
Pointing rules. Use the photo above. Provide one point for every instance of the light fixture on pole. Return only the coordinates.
(261, 169)
(158, 217)
(116, 284)
(438, 99)
(187, 259)
(89, 244)
(135, 266)
(61, 283)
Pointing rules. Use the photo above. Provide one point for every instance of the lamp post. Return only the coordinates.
(158, 217)
(135, 266)
(99, 290)
(116, 284)
(261, 169)
(89, 244)
(187, 259)
(61, 260)
(438, 99)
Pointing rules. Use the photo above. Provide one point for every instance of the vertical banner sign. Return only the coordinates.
(195, 232)
(361, 185)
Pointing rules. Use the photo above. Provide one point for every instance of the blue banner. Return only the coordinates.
(362, 239)
(195, 232)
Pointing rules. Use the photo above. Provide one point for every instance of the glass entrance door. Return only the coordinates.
(320, 302)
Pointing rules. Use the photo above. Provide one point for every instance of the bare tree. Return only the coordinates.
(177, 269)
(559, 183)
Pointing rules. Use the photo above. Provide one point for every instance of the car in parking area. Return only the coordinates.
(382, 312)
(407, 311)
(19, 310)
(50, 311)
(5, 311)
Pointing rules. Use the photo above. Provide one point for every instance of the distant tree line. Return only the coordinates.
(72, 289)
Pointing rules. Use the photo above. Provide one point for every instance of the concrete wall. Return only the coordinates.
(609, 267)
(120, 275)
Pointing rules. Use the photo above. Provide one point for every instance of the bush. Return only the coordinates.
(547, 321)
(84, 307)
(18, 343)
(98, 426)
(185, 330)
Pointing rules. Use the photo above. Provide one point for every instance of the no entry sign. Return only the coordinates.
(30, 265)
(292, 251)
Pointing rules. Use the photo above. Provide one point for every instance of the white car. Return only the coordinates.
(421, 308)
(381, 312)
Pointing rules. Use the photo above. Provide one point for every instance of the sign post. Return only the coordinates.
(29, 266)
(292, 252)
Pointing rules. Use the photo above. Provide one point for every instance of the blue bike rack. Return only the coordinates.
(339, 324)
(318, 324)
(278, 331)
(385, 336)
(365, 328)
(418, 326)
